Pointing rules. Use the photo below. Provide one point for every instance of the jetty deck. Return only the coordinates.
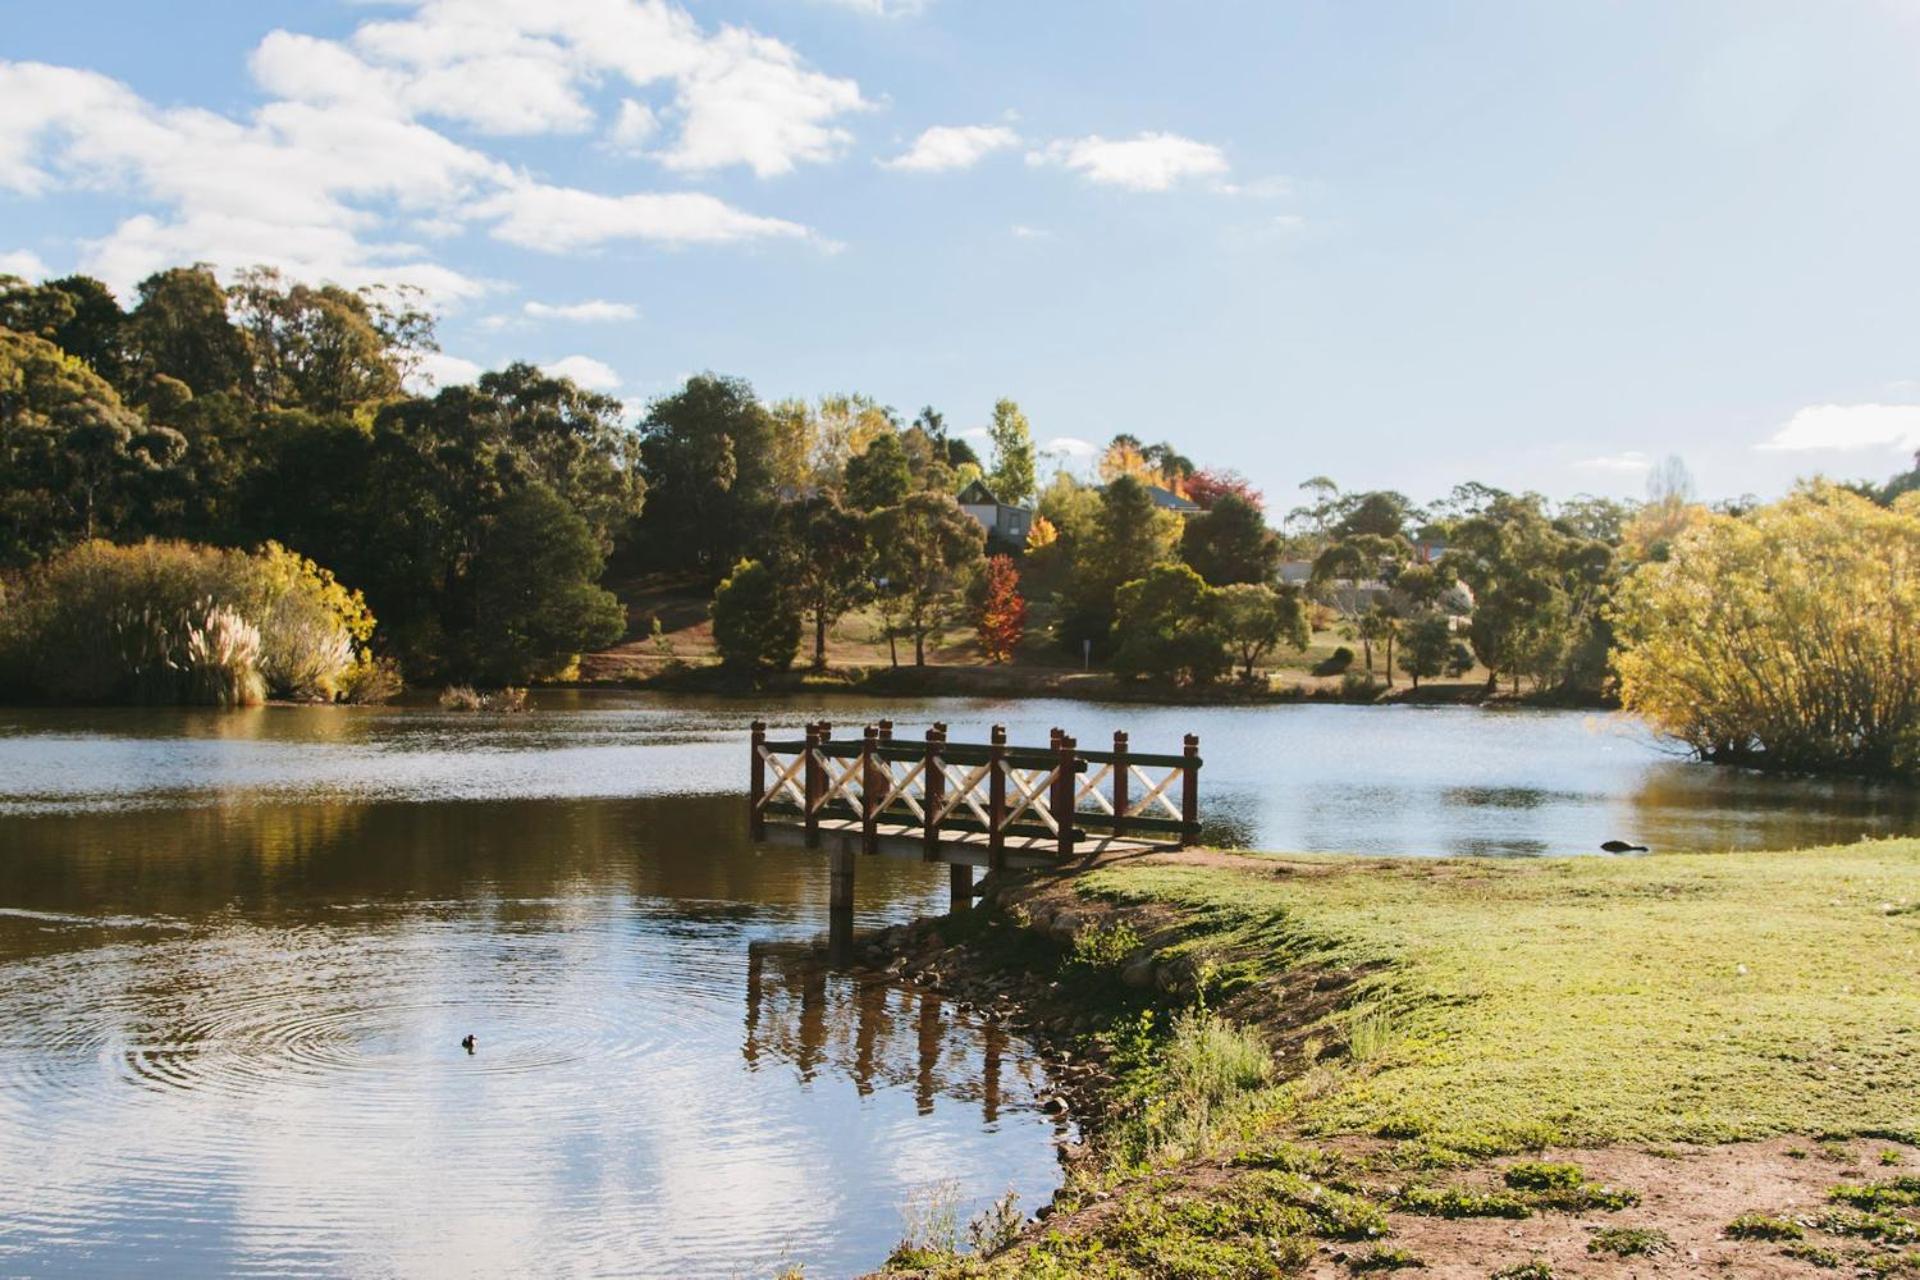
(989, 805)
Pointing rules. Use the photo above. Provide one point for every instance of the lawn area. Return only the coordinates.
(1699, 998)
(1333, 1066)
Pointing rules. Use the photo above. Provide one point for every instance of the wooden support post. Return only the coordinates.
(870, 791)
(886, 731)
(1122, 778)
(959, 887)
(816, 783)
(1190, 792)
(1065, 783)
(997, 799)
(933, 791)
(756, 812)
(840, 901)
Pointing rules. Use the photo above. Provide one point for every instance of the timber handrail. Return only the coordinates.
(1052, 797)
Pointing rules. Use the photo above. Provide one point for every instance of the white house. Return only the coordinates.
(1007, 523)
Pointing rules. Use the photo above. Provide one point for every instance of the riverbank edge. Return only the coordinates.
(1094, 686)
(1341, 1196)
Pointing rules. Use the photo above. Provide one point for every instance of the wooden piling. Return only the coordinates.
(1190, 792)
(816, 785)
(959, 887)
(870, 791)
(756, 811)
(1122, 781)
(933, 791)
(997, 799)
(1065, 783)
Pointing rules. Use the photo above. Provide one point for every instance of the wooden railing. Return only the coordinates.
(1055, 797)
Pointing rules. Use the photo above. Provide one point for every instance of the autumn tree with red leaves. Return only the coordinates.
(1208, 486)
(1003, 612)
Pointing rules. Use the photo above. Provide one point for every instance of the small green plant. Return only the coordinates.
(1536, 1175)
(1890, 1157)
(1099, 950)
(1372, 1035)
(1629, 1242)
(1883, 1227)
(930, 1225)
(1763, 1226)
(1894, 1193)
(1454, 1202)
(1383, 1258)
(1814, 1254)
(1537, 1269)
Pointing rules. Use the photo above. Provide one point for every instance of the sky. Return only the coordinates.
(1541, 246)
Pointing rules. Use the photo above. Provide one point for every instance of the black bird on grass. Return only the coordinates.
(1621, 846)
(468, 1043)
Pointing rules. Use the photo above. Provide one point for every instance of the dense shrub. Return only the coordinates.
(1783, 639)
(171, 622)
(1168, 628)
(1334, 663)
(755, 626)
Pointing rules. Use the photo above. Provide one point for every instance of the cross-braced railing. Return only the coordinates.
(1054, 798)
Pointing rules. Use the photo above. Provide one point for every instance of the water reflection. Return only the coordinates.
(880, 1035)
(229, 1044)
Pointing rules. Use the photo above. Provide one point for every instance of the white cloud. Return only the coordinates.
(25, 264)
(1023, 232)
(749, 100)
(1839, 427)
(592, 374)
(564, 219)
(1148, 162)
(882, 8)
(438, 369)
(1071, 446)
(945, 147)
(1630, 461)
(595, 311)
(634, 126)
(318, 180)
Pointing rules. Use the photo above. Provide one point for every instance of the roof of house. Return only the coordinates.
(1172, 501)
(976, 494)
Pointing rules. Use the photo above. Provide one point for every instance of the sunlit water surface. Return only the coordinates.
(238, 953)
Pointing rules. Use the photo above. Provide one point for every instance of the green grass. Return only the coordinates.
(1629, 1242)
(1690, 998)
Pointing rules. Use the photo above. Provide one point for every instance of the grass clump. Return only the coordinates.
(1763, 1226)
(1893, 1193)
(1817, 1255)
(1103, 950)
(1455, 1202)
(1384, 1258)
(1181, 1090)
(1534, 1175)
(1884, 1227)
(1629, 1242)
(1536, 1269)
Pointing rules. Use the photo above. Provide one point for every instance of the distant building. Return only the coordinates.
(1428, 550)
(1001, 521)
(1168, 500)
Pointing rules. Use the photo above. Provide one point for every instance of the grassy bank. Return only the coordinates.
(1587, 1064)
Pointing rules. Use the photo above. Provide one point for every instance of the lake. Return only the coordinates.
(238, 952)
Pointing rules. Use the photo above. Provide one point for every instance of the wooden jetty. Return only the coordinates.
(968, 805)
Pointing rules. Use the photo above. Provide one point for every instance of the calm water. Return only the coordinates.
(237, 954)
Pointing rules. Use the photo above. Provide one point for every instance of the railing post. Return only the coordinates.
(1190, 792)
(886, 731)
(1122, 783)
(997, 799)
(870, 796)
(1065, 783)
(815, 784)
(757, 771)
(933, 790)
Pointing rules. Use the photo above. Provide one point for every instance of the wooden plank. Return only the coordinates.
(966, 849)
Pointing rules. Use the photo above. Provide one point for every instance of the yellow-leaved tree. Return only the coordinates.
(1787, 638)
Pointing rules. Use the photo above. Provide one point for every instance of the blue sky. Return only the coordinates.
(1536, 245)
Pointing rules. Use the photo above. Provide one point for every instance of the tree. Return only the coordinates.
(1382, 513)
(1119, 539)
(1255, 620)
(320, 348)
(181, 329)
(74, 460)
(1012, 477)
(538, 603)
(1428, 647)
(879, 477)
(1788, 639)
(823, 555)
(755, 625)
(1208, 485)
(922, 545)
(1539, 594)
(1166, 628)
(1003, 612)
(1344, 575)
(1230, 543)
(708, 455)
